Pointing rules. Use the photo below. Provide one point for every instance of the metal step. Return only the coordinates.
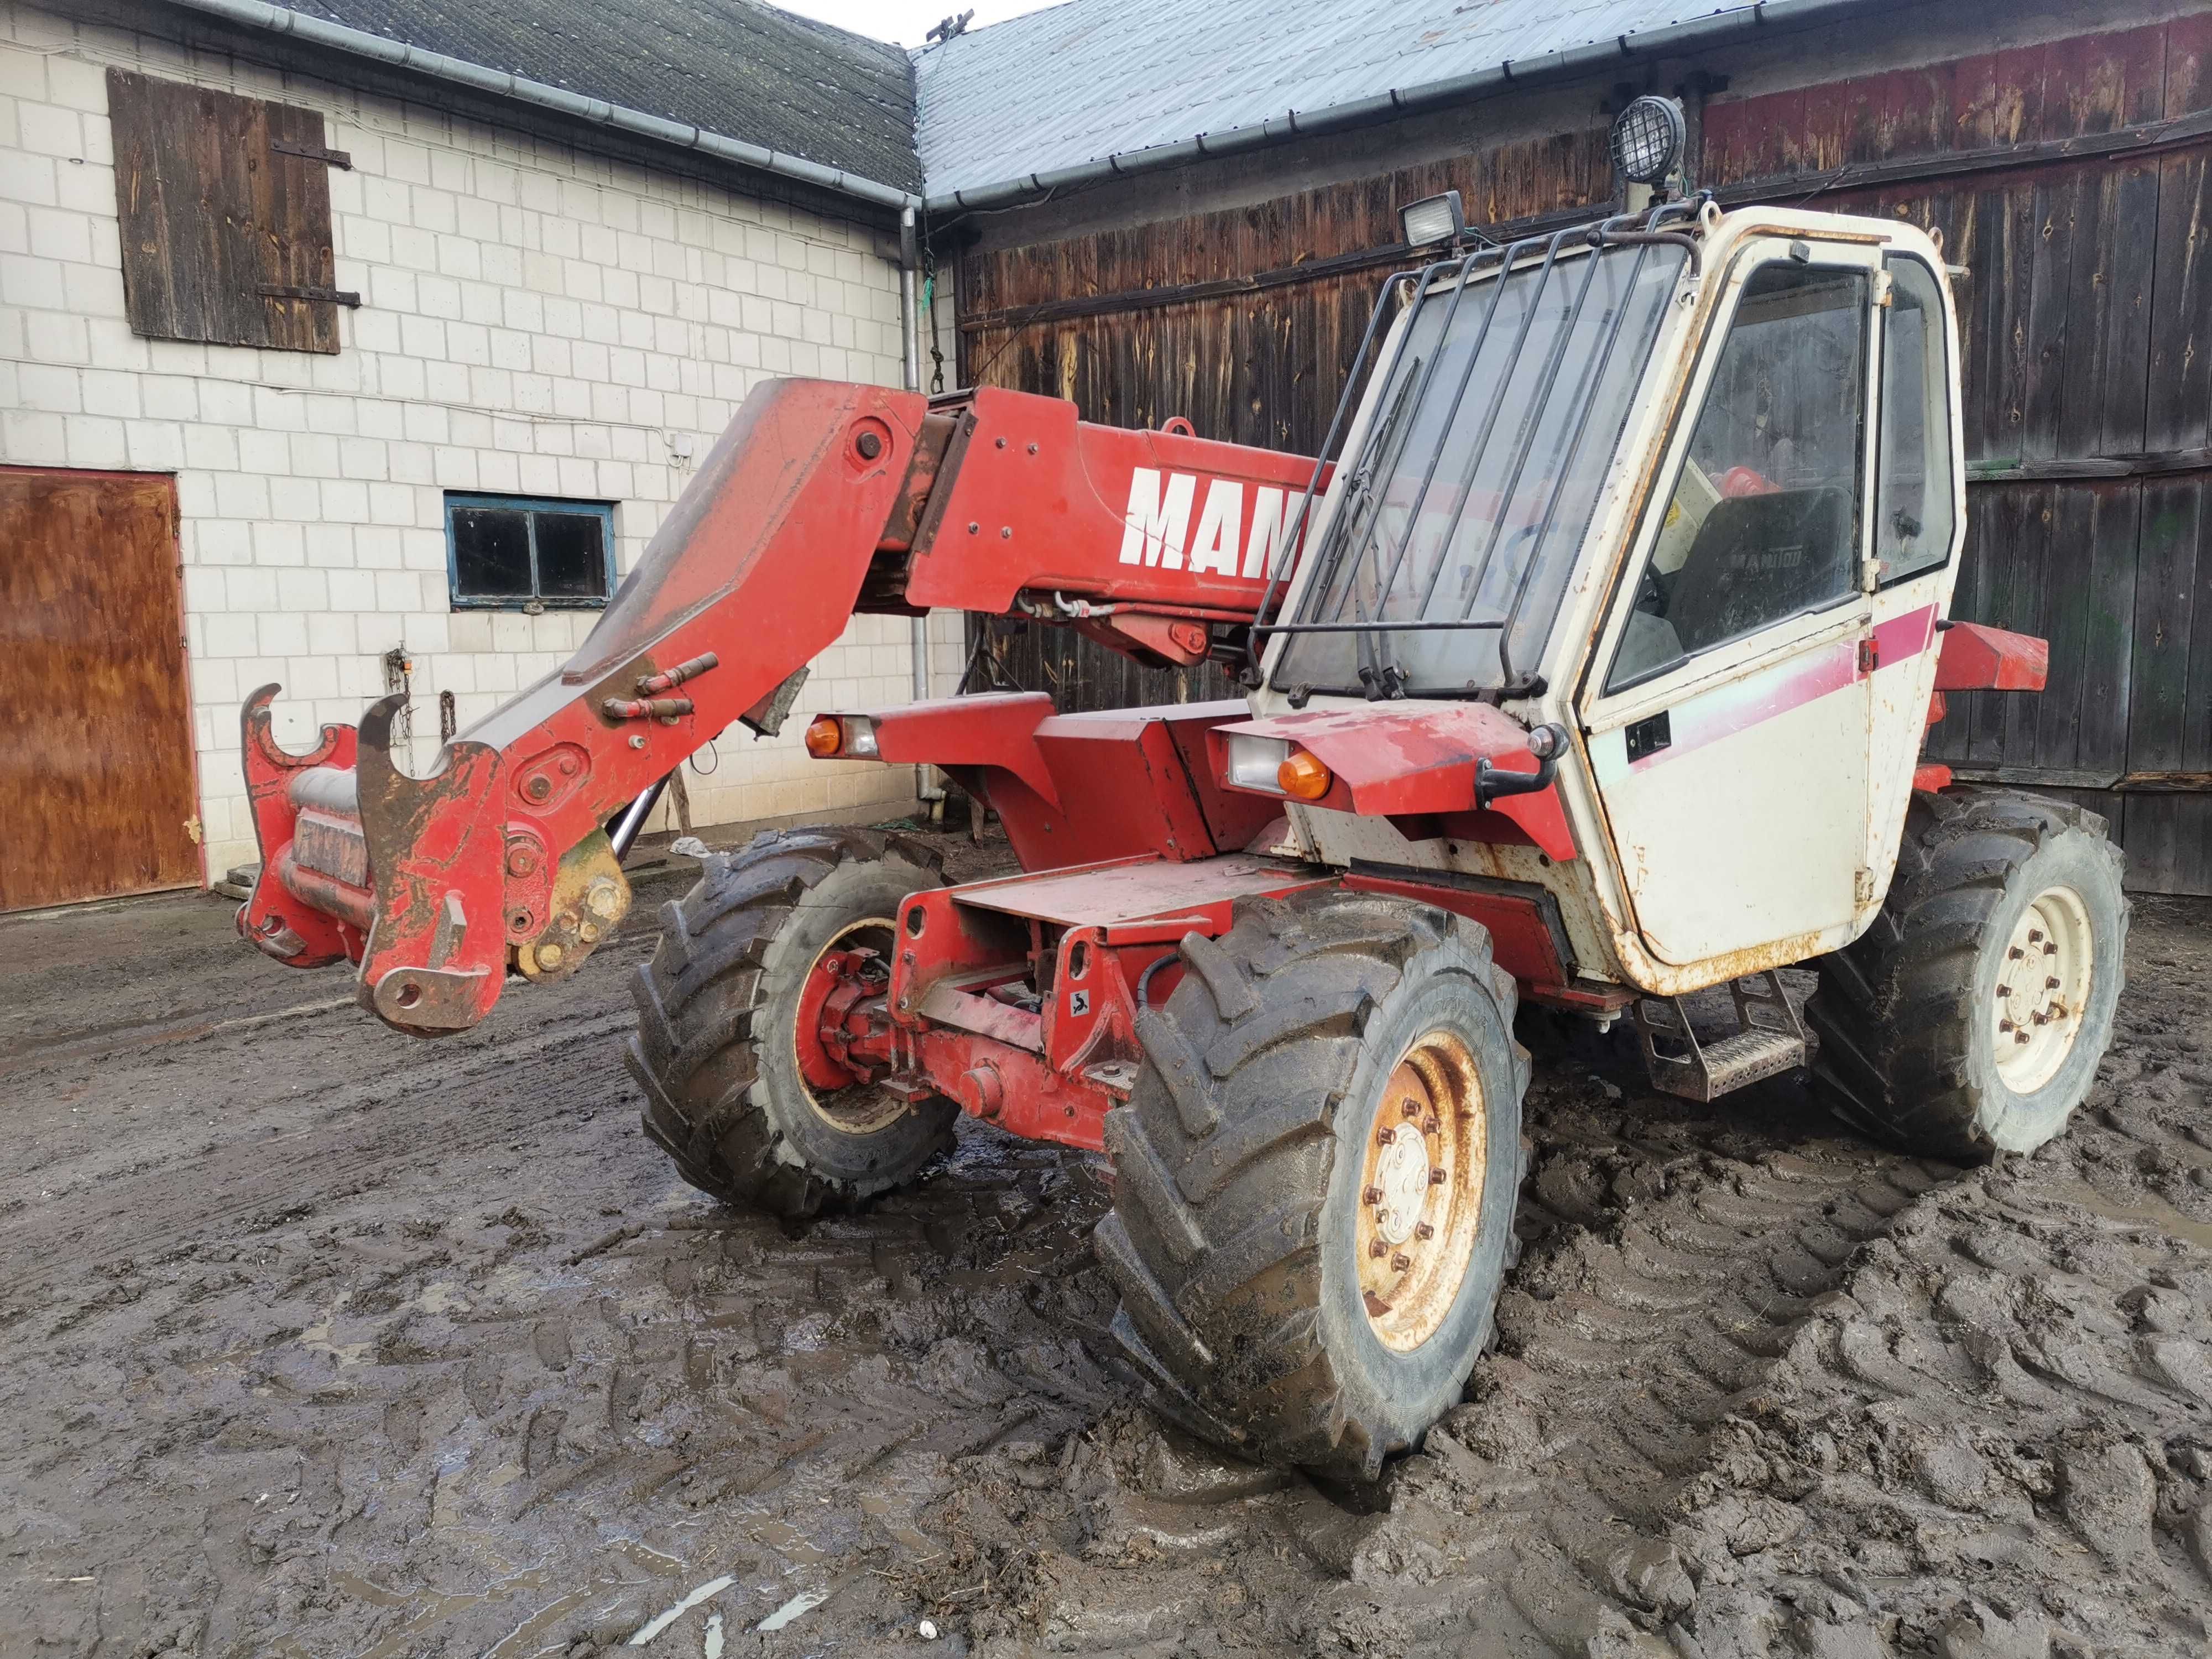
(1769, 1039)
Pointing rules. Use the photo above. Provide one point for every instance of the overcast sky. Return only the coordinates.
(906, 21)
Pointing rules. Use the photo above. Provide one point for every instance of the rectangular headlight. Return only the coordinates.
(1436, 219)
(1256, 762)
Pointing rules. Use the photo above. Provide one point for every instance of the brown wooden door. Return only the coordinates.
(96, 769)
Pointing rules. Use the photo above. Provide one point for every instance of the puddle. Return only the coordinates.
(2140, 1209)
(897, 1520)
(787, 1542)
(444, 1297)
(316, 1339)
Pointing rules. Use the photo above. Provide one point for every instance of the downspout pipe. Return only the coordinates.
(1765, 20)
(359, 43)
(910, 357)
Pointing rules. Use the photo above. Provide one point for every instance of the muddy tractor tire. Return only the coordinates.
(716, 1048)
(1315, 1178)
(1970, 1018)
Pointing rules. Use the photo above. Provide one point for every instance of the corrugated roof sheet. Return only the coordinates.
(1092, 78)
(744, 70)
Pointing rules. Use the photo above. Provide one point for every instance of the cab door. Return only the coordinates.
(1726, 711)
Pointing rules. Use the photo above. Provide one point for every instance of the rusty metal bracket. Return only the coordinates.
(766, 718)
(333, 296)
(329, 158)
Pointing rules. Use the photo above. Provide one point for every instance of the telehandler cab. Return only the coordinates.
(1610, 619)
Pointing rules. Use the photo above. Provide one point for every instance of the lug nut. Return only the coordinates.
(1378, 1248)
(2050, 949)
(1412, 1108)
(1437, 1178)
(2050, 984)
(2004, 990)
(1400, 1262)
(1432, 1127)
(2021, 1037)
(2043, 1020)
(2015, 952)
(1372, 1195)
(1383, 1135)
(1422, 1229)
(2034, 935)
(2004, 1025)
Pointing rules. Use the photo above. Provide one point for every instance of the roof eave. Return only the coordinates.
(337, 36)
(1767, 15)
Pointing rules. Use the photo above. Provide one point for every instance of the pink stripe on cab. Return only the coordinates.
(1727, 710)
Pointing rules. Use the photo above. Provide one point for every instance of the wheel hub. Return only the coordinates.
(1402, 1172)
(2043, 989)
(1421, 1200)
(835, 1022)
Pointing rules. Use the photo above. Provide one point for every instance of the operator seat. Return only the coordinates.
(1759, 558)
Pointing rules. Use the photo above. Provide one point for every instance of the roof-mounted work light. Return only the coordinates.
(1433, 219)
(1647, 138)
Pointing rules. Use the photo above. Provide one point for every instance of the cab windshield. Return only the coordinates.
(1461, 512)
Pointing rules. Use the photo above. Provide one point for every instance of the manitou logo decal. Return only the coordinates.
(1227, 542)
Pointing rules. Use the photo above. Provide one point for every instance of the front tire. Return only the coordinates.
(1971, 1017)
(1297, 1281)
(716, 1048)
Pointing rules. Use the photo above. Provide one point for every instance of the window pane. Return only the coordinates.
(1477, 480)
(1913, 510)
(572, 559)
(1765, 520)
(491, 553)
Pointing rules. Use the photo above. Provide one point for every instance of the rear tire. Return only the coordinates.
(1265, 1159)
(716, 1049)
(1918, 1046)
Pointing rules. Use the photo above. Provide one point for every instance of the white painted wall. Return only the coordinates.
(537, 320)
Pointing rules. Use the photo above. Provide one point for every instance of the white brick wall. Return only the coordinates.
(537, 320)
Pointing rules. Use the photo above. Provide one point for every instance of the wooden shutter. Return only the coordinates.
(226, 210)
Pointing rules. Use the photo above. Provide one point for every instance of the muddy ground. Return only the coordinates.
(323, 1341)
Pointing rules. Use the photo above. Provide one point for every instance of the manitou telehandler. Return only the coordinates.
(1610, 619)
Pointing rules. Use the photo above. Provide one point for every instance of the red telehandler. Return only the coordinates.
(1588, 667)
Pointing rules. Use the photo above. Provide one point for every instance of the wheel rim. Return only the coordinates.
(1421, 1186)
(2042, 989)
(856, 1108)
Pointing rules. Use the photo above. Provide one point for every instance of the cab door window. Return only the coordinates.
(1764, 523)
(1914, 507)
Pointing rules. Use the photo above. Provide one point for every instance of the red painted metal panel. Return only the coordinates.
(1120, 895)
(1521, 936)
(1418, 760)
(1040, 502)
(1974, 658)
(997, 731)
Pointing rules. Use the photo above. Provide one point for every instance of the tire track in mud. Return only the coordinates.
(1672, 1250)
(1997, 1439)
(1671, 1253)
(470, 1372)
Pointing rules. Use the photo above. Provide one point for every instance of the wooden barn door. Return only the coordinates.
(95, 720)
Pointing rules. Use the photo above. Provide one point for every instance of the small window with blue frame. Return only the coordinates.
(523, 553)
